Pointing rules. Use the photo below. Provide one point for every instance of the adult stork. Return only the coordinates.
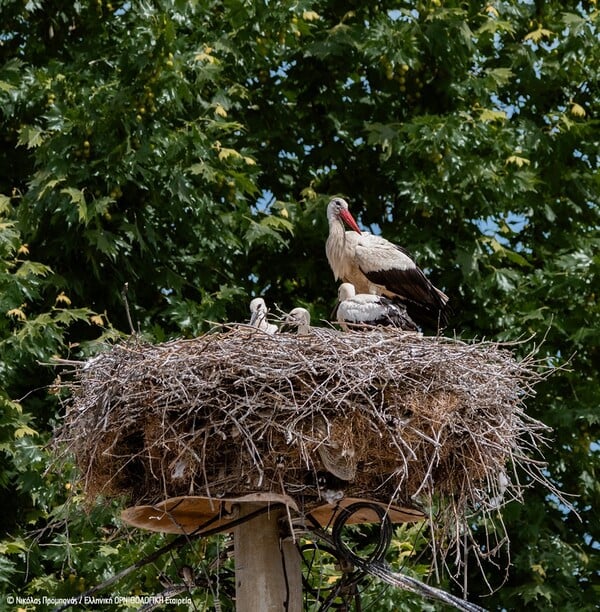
(258, 316)
(367, 310)
(297, 320)
(376, 265)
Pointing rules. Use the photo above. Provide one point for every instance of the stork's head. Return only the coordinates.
(258, 312)
(257, 305)
(346, 291)
(298, 320)
(299, 316)
(337, 209)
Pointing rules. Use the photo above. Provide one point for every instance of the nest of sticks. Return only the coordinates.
(379, 414)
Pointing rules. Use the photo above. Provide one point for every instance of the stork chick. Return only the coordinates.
(368, 310)
(298, 320)
(258, 316)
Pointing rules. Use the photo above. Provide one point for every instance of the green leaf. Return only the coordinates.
(491, 26)
(31, 136)
(506, 280)
(8, 571)
(537, 35)
(573, 20)
(32, 268)
(66, 316)
(278, 223)
(4, 204)
(382, 133)
(4, 86)
(488, 114)
(78, 197)
(258, 232)
(501, 76)
(516, 258)
(15, 546)
(24, 431)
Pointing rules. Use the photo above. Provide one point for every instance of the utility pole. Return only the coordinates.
(268, 573)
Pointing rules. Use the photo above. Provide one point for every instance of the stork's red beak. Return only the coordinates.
(348, 219)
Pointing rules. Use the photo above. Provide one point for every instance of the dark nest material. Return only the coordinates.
(379, 414)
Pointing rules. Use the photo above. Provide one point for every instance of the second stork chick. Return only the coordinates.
(364, 310)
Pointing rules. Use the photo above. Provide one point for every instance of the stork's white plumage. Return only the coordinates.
(376, 265)
(258, 316)
(367, 309)
(298, 320)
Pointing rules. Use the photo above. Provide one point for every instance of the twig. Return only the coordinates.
(126, 302)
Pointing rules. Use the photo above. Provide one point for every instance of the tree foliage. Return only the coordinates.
(189, 148)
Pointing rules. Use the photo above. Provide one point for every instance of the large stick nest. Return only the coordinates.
(243, 411)
(379, 414)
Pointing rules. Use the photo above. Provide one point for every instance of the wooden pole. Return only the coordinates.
(268, 573)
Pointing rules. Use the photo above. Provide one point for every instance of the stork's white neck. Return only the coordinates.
(336, 246)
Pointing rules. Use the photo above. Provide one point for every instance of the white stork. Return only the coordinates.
(298, 320)
(258, 316)
(366, 309)
(375, 265)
